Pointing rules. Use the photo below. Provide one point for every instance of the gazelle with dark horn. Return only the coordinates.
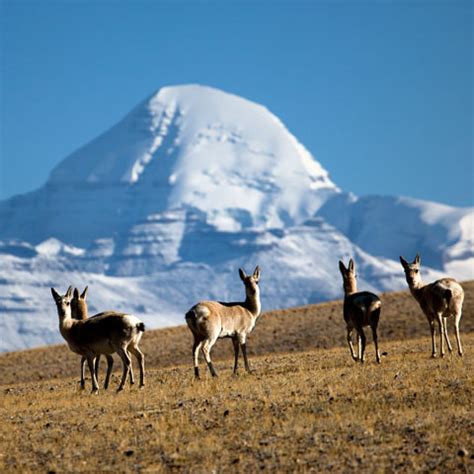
(104, 333)
(80, 312)
(438, 300)
(360, 309)
(212, 320)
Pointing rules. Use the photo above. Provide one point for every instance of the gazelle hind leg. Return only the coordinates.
(83, 372)
(433, 341)
(376, 343)
(206, 350)
(141, 363)
(96, 367)
(122, 352)
(445, 331)
(374, 322)
(362, 341)
(95, 385)
(441, 336)
(110, 364)
(349, 341)
(196, 347)
(456, 326)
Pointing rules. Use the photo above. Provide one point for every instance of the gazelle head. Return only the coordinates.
(251, 282)
(79, 305)
(63, 303)
(412, 271)
(349, 277)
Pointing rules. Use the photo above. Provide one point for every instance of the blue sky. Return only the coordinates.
(380, 92)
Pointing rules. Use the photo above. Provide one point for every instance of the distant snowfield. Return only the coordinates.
(160, 211)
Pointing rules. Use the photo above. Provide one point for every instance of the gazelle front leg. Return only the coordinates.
(235, 342)
(349, 341)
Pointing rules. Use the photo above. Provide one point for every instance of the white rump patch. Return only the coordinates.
(202, 311)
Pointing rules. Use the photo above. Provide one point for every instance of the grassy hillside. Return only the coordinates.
(307, 406)
(298, 411)
(295, 329)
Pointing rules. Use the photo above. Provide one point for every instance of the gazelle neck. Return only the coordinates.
(350, 286)
(416, 289)
(252, 303)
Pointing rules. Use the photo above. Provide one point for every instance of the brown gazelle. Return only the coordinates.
(80, 311)
(438, 300)
(360, 309)
(104, 333)
(212, 320)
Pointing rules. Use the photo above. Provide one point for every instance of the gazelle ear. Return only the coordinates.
(342, 268)
(351, 266)
(84, 293)
(403, 262)
(256, 273)
(76, 294)
(55, 294)
(417, 259)
(242, 274)
(69, 292)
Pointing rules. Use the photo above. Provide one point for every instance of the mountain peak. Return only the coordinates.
(196, 146)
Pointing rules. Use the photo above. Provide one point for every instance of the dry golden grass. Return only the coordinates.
(311, 410)
(304, 410)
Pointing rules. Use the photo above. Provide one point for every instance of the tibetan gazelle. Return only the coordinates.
(80, 312)
(104, 333)
(438, 300)
(360, 309)
(212, 320)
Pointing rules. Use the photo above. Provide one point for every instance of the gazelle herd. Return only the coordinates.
(112, 332)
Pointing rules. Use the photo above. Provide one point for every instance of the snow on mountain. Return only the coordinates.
(391, 226)
(161, 210)
(185, 146)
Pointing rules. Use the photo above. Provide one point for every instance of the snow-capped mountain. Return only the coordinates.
(161, 210)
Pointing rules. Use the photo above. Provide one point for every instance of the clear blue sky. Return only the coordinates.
(380, 92)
